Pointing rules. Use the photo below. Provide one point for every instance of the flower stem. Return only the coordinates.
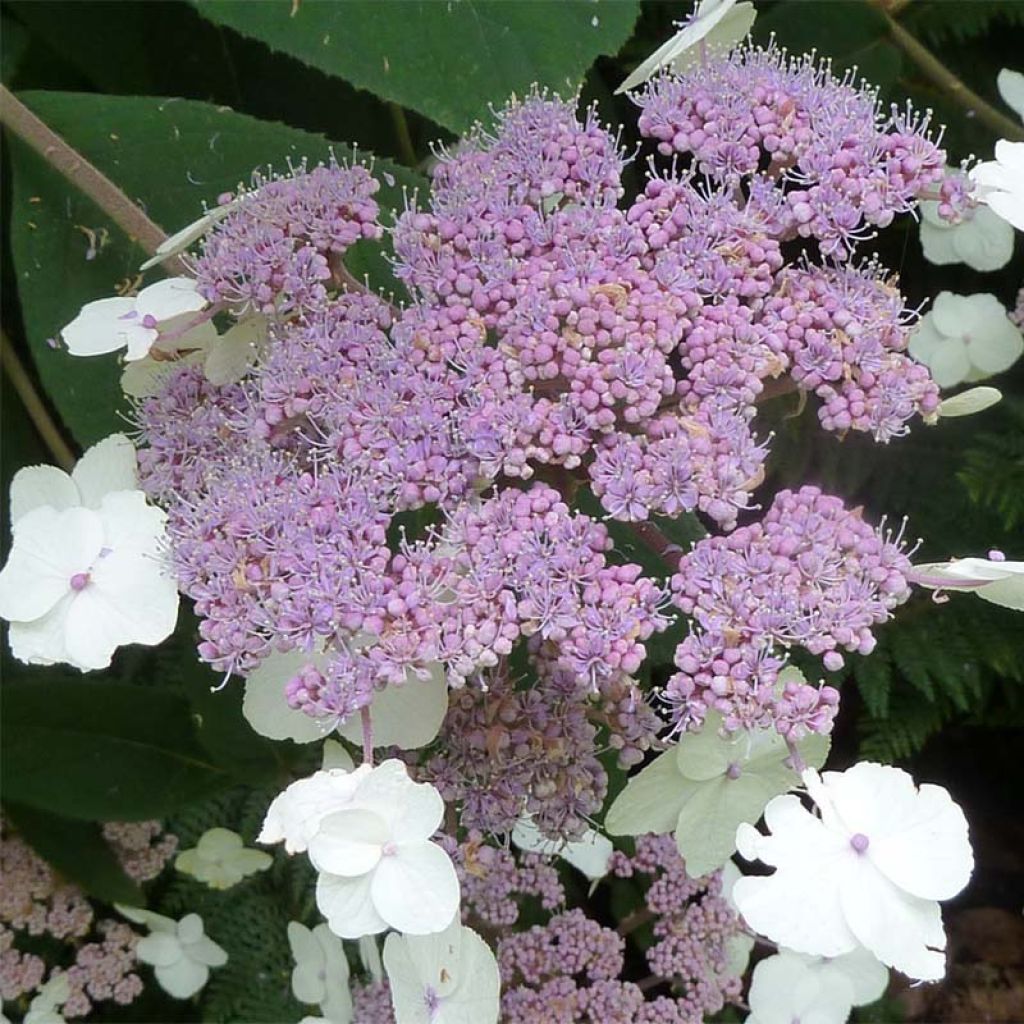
(20, 121)
(364, 715)
(957, 90)
(405, 145)
(34, 405)
(637, 919)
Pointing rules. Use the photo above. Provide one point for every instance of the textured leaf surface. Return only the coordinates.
(447, 59)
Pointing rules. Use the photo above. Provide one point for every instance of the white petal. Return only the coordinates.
(348, 906)
(169, 298)
(984, 241)
(105, 326)
(308, 954)
(784, 988)
(295, 815)
(651, 800)
(336, 756)
(183, 979)
(901, 930)
(205, 951)
(109, 465)
(416, 889)
(707, 754)
(589, 854)
(969, 402)
(412, 810)
(266, 707)
(926, 340)
(938, 242)
(1011, 87)
(159, 949)
(50, 547)
(866, 975)
(153, 921)
(182, 239)
(41, 641)
(219, 842)
(1007, 593)
(349, 842)
(950, 363)
(37, 486)
(997, 346)
(407, 716)
(1008, 205)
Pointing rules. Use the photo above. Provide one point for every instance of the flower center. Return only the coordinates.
(149, 321)
(859, 842)
(734, 771)
(389, 849)
(433, 1001)
(80, 581)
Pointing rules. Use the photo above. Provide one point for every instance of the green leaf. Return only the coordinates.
(102, 751)
(78, 851)
(447, 60)
(168, 156)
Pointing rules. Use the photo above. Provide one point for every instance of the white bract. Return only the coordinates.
(705, 785)
(969, 402)
(407, 716)
(1011, 87)
(85, 573)
(992, 579)
(183, 239)
(590, 854)
(966, 337)
(368, 834)
(1000, 182)
(180, 954)
(982, 239)
(716, 25)
(44, 1008)
(133, 324)
(741, 945)
(221, 860)
(868, 872)
(791, 987)
(321, 971)
(450, 978)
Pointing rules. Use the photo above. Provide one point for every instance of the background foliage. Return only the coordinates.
(177, 102)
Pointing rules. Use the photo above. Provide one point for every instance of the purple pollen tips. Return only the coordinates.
(149, 321)
(734, 771)
(80, 581)
(859, 842)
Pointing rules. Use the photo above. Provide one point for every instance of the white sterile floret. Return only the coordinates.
(44, 1008)
(868, 872)
(221, 860)
(183, 239)
(85, 574)
(992, 579)
(407, 716)
(969, 402)
(999, 183)
(133, 324)
(1011, 87)
(739, 947)
(705, 785)
(368, 835)
(982, 239)
(590, 854)
(966, 337)
(321, 971)
(180, 954)
(450, 978)
(791, 987)
(716, 25)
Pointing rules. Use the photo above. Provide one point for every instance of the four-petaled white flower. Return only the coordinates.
(180, 954)
(450, 978)
(703, 787)
(969, 402)
(183, 239)
(1000, 182)
(134, 324)
(590, 854)
(966, 337)
(44, 1007)
(868, 872)
(368, 835)
(992, 579)
(716, 25)
(221, 860)
(1011, 87)
(85, 574)
(791, 987)
(981, 239)
(407, 716)
(321, 971)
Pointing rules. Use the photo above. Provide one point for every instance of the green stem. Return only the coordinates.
(405, 146)
(957, 90)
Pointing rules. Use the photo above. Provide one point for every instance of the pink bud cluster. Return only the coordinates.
(810, 574)
(274, 252)
(142, 847)
(845, 166)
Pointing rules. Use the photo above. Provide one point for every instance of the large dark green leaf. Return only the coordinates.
(78, 851)
(102, 751)
(167, 155)
(447, 60)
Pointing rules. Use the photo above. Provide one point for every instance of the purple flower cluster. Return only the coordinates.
(810, 574)
(276, 252)
(846, 166)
